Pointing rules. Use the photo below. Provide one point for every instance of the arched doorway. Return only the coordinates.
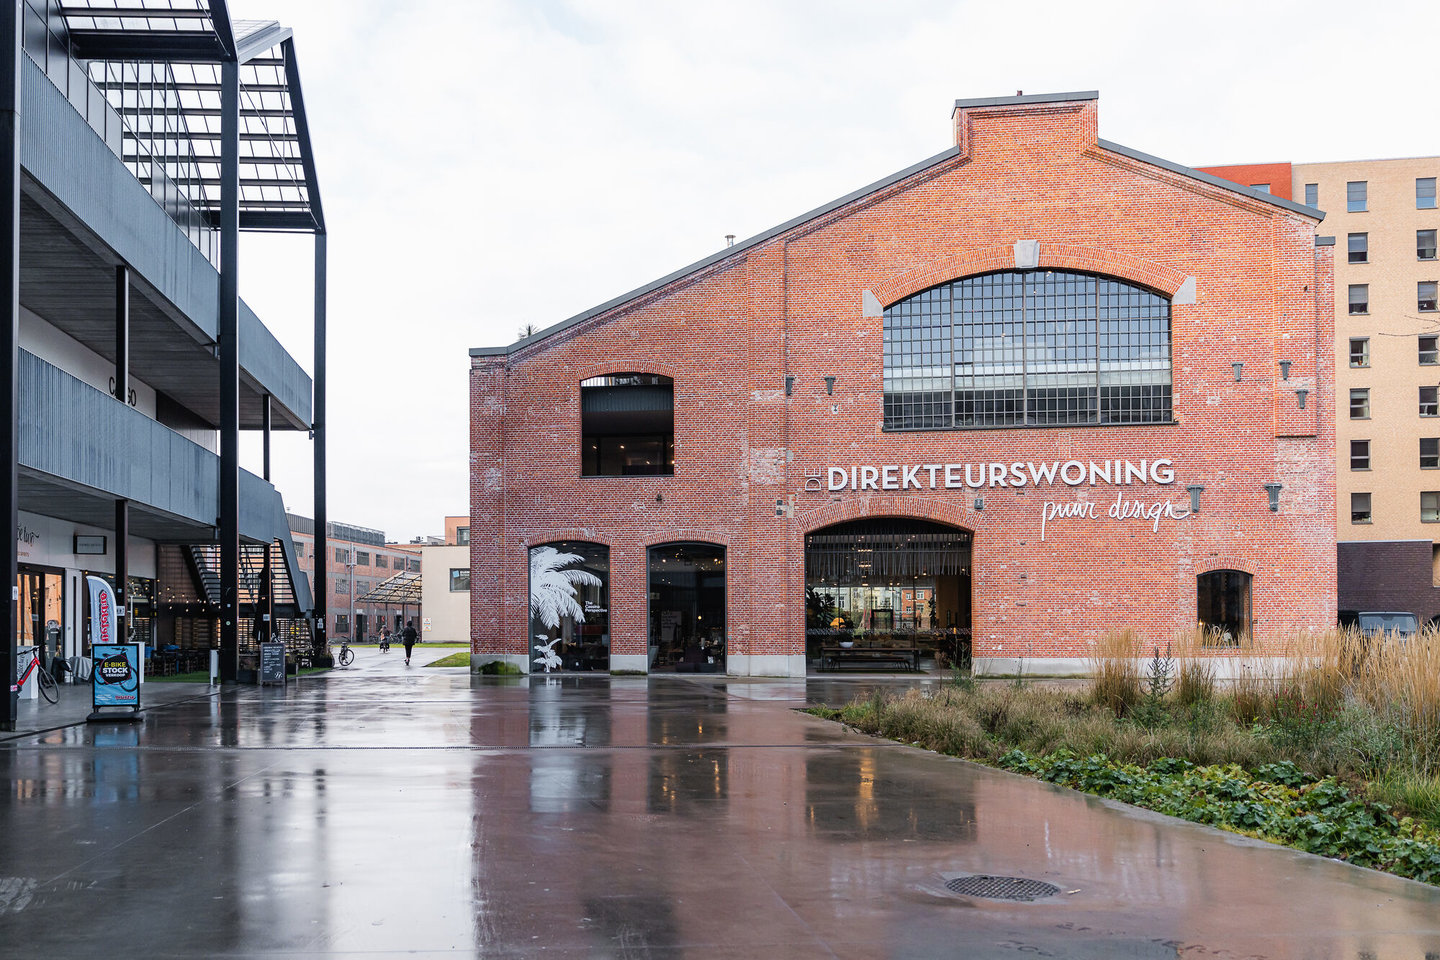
(890, 580)
(687, 607)
(570, 605)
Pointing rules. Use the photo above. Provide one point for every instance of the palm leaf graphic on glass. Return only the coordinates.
(552, 588)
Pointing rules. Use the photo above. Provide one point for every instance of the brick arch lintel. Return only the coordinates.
(1054, 256)
(608, 367)
(689, 535)
(1211, 564)
(555, 534)
(858, 508)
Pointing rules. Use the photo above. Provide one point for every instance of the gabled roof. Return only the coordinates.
(940, 158)
(158, 59)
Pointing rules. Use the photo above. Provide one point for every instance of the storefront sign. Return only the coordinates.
(1121, 509)
(88, 544)
(115, 676)
(975, 476)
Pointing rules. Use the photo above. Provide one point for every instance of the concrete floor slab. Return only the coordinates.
(384, 811)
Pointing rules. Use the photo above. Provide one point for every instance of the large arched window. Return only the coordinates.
(1031, 348)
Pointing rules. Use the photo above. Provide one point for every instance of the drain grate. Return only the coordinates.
(1002, 888)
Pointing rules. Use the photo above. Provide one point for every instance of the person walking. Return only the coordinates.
(408, 636)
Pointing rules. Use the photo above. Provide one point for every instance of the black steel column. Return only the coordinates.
(122, 569)
(322, 547)
(265, 431)
(229, 371)
(10, 21)
(122, 334)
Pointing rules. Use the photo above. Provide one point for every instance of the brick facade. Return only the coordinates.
(792, 303)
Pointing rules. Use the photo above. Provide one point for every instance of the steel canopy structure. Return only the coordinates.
(208, 114)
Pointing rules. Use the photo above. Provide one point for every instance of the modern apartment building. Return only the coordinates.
(136, 143)
(1383, 218)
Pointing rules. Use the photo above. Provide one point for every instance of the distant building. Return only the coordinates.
(1382, 217)
(359, 562)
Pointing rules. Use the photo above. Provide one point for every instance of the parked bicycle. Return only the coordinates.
(49, 689)
(346, 654)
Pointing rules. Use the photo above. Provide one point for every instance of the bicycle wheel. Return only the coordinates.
(346, 655)
(49, 689)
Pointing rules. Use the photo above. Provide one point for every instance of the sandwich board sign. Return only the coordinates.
(115, 675)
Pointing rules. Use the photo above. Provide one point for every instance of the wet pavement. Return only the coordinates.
(380, 811)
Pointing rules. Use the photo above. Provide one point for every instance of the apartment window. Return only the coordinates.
(1430, 453)
(1312, 195)
(414, 565)
(462, 536)
(1359, 351)
(1425, 296)
(362, 559)
(1360, 404)
(1262, 187)
(342, 623)
(1356, 196)
(459, 579)
(1429, 401)
(1359, 298)
(1359, 245)
(1359, 454)
(299, 548)
(1359, 508)
(1424, 244)
(342, 585)
(342, 555)
(381, 562)
(1429, 351)
(1424, 193)
(1430, 506)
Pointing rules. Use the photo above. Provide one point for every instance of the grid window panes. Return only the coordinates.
(413, 565)
(1429, 401)
(1359, 298)
(1359, 508)
(381, 561)
(1045, 348)
(1424, 193)
(1425, 296)
(1429, 351)
(1356, 196)
(1359, 454)
(1430, 453)
(1430, 506)
(1424, 244)
(1360, 404)
(1359, 247)
(1312, 195)
(1359, 351)
(342, 555)
(362, 558)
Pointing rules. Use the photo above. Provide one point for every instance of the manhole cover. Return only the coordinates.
(1001, 888)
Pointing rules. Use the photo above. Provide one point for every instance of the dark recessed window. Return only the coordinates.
(1359, 298)
(1429, 351)
(1424, 193)
(1043, 348)
(462, 536)
(381, 561)
(459, 579)
(1356, 196)
(1312, 195)
(1359, 246)
(1429, 401)
(362, 558)
(627, 425)
(1430, 506)
(1223, 606)
(1359, 508)
(1359, 351)
(1359, 454)
(1424, 244)
(1360, 404)
(1430, 453)
(1425, 296)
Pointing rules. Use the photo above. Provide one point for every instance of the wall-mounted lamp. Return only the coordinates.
(979, 504)
(1272, 489)
(1195, 491)
(1285, 369)
(829, 384)
(1300, 395)
(789, 386)
(1238, 368)
(659, 498)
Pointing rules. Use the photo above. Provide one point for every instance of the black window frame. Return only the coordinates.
(617, 446)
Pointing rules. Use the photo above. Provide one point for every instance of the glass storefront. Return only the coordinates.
(687, 607)
(889, 582)
(42, 609)
(570, 606)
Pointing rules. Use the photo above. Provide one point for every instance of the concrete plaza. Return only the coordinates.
(381, 811)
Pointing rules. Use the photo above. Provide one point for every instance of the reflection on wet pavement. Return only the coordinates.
(383, 811)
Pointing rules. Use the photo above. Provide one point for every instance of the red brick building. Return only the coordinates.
(1033, 388)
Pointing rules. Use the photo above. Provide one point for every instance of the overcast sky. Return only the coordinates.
(488, 164)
